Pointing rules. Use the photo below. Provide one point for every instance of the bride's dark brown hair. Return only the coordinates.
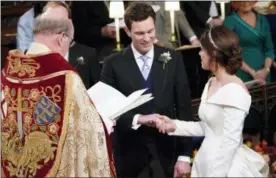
(222, 45)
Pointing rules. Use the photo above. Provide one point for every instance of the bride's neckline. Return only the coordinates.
(208, 96)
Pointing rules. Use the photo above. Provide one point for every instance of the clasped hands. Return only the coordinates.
(161, 122)
(260, 76)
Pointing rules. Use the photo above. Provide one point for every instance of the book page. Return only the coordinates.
(135, 95)
(106, 99)
(131, 99)
(110, 103)
(141, 100)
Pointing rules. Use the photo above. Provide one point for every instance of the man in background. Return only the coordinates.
(199, 14)
(163, 26)
(25, 26)
(83, 58)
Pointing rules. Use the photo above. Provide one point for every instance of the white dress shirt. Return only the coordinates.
(138, 55)
(139, 61)
(25, 26)
(213, 11)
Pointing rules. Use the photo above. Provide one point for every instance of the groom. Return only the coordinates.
(139, 150)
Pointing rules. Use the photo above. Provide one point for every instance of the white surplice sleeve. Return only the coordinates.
(184, 128)
(230, 141)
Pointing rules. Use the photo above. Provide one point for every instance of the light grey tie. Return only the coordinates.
(145, 68)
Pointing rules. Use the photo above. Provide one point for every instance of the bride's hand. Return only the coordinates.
(165, 125)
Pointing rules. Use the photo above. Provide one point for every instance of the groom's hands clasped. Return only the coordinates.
(161, 122)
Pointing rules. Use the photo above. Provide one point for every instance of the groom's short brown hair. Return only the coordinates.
(137, 12)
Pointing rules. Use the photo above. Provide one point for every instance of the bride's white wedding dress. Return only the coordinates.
(222, 153)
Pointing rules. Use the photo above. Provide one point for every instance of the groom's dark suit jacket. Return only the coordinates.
(171, 98)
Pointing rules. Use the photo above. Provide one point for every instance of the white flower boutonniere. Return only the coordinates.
(80, 60)
(165, 58)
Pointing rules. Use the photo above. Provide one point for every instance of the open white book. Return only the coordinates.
(110, 103)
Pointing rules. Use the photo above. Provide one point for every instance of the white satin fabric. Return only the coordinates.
(222, 153)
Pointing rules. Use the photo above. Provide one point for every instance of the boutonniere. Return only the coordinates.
(80, 60)
(165, 58)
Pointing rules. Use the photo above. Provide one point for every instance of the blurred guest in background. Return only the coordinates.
(91, 19)
(256, 41)
(82, 57)
(258, 54)
(25, 26)
(200, 14)
(163, 25)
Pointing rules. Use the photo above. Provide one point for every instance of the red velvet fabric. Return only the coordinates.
(60, 80)
(48, 64)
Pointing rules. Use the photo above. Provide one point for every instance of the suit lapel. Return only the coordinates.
(158, 73)
(132, 70)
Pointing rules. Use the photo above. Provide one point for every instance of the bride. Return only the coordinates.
(225, 102)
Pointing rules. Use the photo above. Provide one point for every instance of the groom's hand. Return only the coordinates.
(181, 168)
(150, 120)
(165, 125)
